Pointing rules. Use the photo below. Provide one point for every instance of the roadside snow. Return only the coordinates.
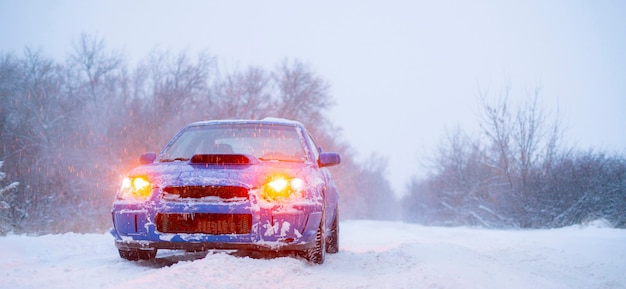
(373, 254)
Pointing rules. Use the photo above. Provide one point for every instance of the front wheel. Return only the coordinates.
(317, 254)
(332, 245)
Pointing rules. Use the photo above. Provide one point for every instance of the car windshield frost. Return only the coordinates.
(265, 142)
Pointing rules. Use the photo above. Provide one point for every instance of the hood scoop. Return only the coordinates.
(223, 159)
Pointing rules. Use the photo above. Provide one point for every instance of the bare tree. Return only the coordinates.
(245, 94)
(492, 180)
(177, 90)
(301, 95)
(496, 126)
(520, 142)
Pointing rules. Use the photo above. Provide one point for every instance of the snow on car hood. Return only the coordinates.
(247, 175)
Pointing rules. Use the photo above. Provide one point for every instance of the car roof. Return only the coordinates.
(267, 120)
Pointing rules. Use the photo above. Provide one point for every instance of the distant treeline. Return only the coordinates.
(517, 173)
(70, 130)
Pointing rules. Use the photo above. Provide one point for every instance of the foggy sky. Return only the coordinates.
(402, 72)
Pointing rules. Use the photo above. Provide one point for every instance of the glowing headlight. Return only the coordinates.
(280, 188)
(138, 188)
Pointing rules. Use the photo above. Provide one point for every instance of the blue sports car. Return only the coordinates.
(245, 185)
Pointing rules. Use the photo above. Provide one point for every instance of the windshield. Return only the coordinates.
(266, 142)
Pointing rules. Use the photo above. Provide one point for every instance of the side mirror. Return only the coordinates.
(147, 158)
(329, 159)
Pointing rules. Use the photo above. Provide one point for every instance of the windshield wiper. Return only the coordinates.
(173, 160)
(280, 160)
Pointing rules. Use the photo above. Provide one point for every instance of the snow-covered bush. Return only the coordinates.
(5, 224)
(515, 174)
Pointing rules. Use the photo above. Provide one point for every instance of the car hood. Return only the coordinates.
(243, 175)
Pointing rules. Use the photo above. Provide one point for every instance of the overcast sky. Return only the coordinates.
(402, 72)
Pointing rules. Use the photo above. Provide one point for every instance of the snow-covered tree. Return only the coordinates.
(5, 206)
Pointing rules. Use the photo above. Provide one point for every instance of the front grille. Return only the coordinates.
(213, 224)
(226, 193)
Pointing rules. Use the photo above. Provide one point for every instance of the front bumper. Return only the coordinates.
(204, 246)
(274, 228)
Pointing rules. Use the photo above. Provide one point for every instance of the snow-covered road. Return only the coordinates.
(374, 254)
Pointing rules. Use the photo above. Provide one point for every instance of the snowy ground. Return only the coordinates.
(373, 254)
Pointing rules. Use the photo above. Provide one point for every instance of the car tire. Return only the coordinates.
(332, 243)
(317, 254)
(136, 254)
